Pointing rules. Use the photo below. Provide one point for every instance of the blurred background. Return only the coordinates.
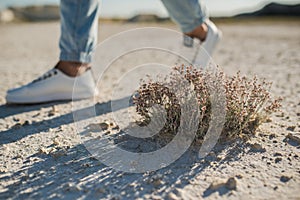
(147, 10)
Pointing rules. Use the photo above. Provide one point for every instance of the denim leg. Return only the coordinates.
(79, 27)
(187, 13)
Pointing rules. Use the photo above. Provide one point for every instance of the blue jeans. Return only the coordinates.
(79, 24)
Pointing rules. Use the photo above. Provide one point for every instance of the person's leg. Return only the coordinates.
(190, 15)
(193, 20)
(79, 26)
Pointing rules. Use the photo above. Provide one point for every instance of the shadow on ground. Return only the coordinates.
(73, 173)
(43, 126)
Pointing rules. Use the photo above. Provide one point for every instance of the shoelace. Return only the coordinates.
(46, 75)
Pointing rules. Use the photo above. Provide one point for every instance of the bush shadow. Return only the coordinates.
(71, 173)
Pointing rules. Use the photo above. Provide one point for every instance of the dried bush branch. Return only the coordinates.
(248, 100)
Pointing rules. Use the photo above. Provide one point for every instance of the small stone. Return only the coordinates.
(116, 128)
(20, 124)
(86, 165)
(277, 160)
(106, 133)
(252, 165)
(3, 170)
(72, 187)
(104, 126)
(59, 153)
(269, 120)
(291, 128)
(231, 184)
(26, 122)
(285, 178)
(56, 142)
(271, 136)
(157, 182)
(172, 196)
(95, 127)
(293, 138)
(277, 154)
(19, 155)
(16, 119)
(43, 150)
(257, 148)
(239, 176)
(41, 172)
(100, 190)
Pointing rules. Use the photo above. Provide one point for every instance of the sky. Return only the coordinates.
(128, 8)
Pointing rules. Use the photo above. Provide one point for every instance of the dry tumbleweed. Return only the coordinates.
(248, 101)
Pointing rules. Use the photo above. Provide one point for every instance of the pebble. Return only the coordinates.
(277, 160)
(156, 180)
(20, 124)
(291, 128)
(100, 190)
(239, 176)
(271, 136)
(72, 187)
(56, 142)
(269, 120)
(43, 150)
(116, 128)
(257, 148)
(277, 154)
(104, 126)
(293, 138)
(231, 184)
(98, 127)
(285, 178)
(3, 170)
(172, 196)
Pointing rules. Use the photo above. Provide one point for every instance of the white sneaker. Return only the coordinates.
(54, 85)
(207, 47)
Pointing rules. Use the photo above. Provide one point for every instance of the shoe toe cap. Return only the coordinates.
(13, 95)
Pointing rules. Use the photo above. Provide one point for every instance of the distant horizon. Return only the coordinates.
(217, 8)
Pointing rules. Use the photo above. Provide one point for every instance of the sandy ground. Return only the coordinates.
(42, 157)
